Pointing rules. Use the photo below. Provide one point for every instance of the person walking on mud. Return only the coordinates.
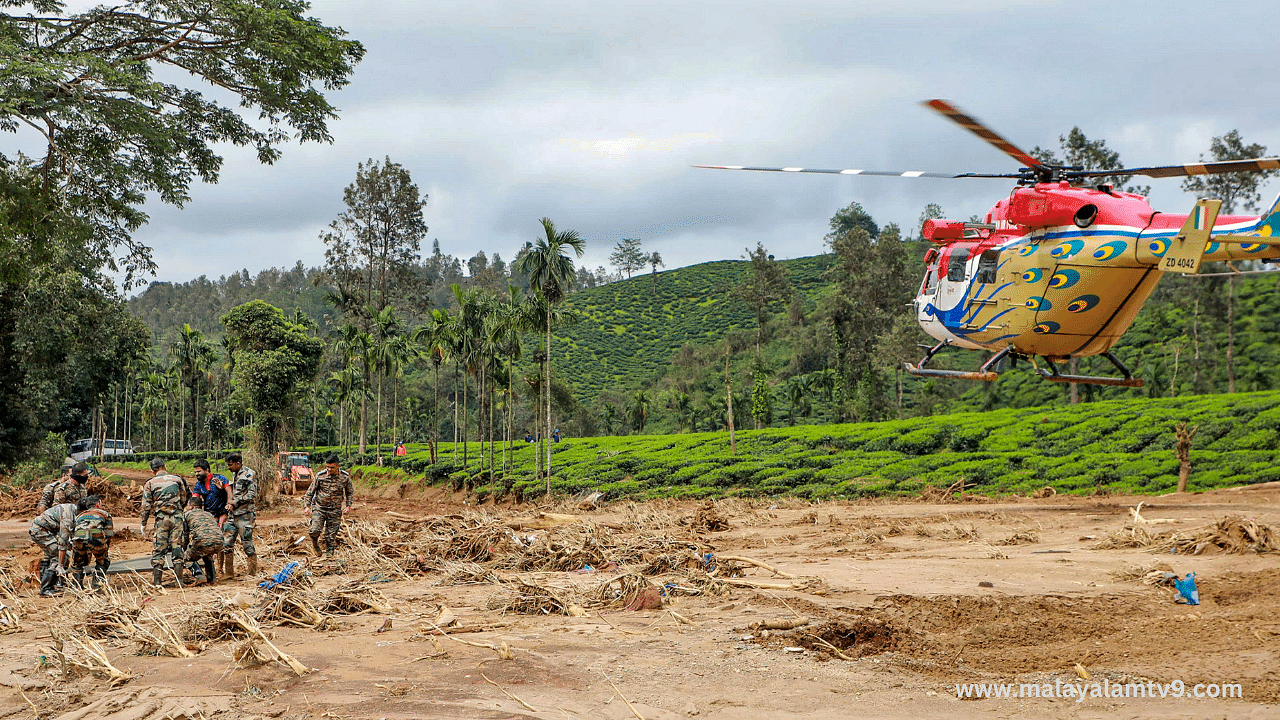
(201, 538)
(51, 530)
(242, 510)
(164, 495)
(330, 488)
(91, 540)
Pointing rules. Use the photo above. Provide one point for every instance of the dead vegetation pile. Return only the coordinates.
(1232, 535)
(706, 518)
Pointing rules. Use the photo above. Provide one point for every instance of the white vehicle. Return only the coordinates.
(82, 450)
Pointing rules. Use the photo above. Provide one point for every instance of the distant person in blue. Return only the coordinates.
(528, 438)
(212, 490)
(555, 436)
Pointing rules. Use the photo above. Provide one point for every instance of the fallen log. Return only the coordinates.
(752, 561)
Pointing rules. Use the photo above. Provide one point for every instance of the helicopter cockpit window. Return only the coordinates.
(930, 281)
(956, 266)
(987, 266)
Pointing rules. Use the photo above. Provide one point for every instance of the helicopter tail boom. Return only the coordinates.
(1187, 248)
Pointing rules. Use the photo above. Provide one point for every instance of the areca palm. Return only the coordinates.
(191, 354)
(387, 330)
(355, 345)
(508, 322)
(639, 409)
(435, 337)
(550, 271)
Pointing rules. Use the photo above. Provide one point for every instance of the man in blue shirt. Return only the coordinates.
(212, 490)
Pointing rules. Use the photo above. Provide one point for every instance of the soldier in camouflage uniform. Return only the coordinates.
(91, 539)
(46, 495)
(325, 498)
(52, 532)
(165, 495)
(242, 496)
(201, 537)
(72, 489)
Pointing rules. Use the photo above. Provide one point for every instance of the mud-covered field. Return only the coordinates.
(813, 611)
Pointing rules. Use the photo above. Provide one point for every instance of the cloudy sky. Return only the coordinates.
(591, 113)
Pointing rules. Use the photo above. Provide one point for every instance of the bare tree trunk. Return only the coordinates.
(364, 414)
(733, 443)
(1073, 367)
(1231, 333)
(547, 437)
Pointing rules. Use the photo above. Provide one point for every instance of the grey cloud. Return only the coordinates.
(592, 113)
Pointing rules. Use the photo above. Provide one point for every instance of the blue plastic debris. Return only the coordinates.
(708, 562)
(1187, 589)
(282, 577)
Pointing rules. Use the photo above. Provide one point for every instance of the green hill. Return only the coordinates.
(631, 329)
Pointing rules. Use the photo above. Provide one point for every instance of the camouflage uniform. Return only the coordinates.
(326, 496)
(243, 493)
(69, 491)
(52, 530)
(201, 535)
(166, 495)
(46, 496)
(92, 539)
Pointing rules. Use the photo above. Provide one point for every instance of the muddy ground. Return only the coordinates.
(918, 597)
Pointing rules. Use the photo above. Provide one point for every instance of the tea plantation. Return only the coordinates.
(1123, 446)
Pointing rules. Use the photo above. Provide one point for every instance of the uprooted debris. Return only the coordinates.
(1233, 535)
(1149, 574)
(526, 598)
(706, 518)
(847, 638)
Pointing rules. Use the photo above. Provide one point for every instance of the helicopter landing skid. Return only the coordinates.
(984, 373)
(1128, 380)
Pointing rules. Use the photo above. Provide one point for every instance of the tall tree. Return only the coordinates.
(113, 103)
(872, 290)
(372, 248)
(1234, 190)
(550, 271)
(275, 364)
(1091, 155)
(766, 284)
(627, 257)
(1237, 191)
(654, 260)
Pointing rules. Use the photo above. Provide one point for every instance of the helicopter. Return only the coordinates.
(1059, 269)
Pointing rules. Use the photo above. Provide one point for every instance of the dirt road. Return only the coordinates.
(918, 597)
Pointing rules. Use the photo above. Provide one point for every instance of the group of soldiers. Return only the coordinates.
(193, 525)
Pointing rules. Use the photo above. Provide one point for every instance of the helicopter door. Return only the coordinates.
(930, 284)
(987, 265)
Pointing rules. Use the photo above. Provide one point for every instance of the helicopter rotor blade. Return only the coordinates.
(879, 173)
(1209, 168)
(977, 128)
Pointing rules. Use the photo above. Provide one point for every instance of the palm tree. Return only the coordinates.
(355, 345)
(610, 417)
(190, 355)
(797, 392)
(682, 404)
(550, 271)
(436, 337)
(387, 330)
(507, 323)
(639, 409)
